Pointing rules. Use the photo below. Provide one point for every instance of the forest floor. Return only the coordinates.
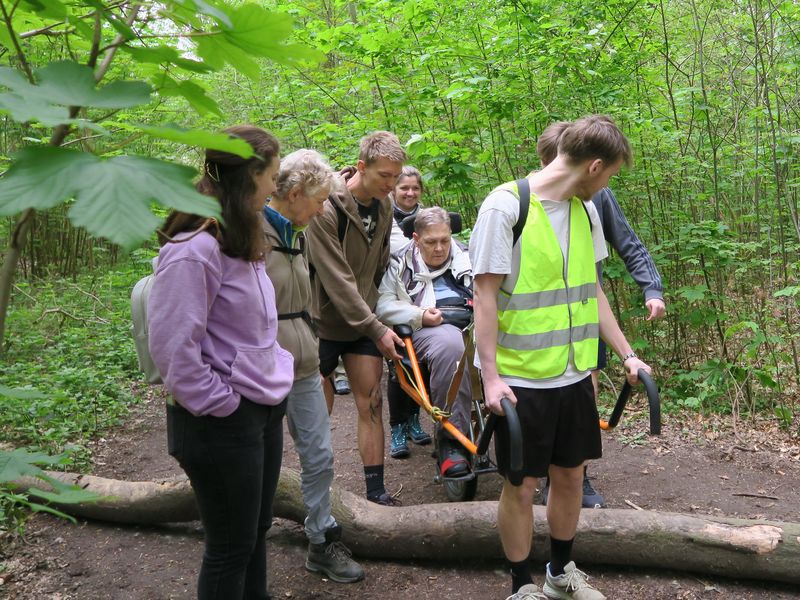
(701, 466)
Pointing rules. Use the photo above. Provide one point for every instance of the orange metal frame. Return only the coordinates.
(420, 395)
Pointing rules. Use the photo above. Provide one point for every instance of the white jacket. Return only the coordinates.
(395, 305)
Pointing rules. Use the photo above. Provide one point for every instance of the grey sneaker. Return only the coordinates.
(332, 558)
(528, 592)
(572, 584)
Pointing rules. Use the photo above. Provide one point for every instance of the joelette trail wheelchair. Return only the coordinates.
(411, 378)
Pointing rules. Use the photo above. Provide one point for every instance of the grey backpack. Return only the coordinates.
(139, 296)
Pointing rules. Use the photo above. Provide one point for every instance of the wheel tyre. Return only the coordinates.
(461, 491)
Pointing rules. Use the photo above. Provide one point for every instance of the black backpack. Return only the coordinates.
(524, 190)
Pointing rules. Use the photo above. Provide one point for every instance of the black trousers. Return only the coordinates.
(233, 464)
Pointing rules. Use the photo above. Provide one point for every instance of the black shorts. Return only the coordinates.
(330, 351)
(560, 426)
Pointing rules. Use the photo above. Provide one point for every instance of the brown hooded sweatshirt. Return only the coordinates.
(347, 274)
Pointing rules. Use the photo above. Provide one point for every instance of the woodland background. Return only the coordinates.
(708, 92)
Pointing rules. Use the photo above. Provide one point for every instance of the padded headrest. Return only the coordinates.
(407, 224)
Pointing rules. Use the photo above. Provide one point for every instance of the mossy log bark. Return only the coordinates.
(704, 544)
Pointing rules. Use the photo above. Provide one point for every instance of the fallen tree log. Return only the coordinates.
(704, 544)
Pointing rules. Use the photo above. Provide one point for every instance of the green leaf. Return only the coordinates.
(48, 8)
(112, 197)
(164, 54)
(115, 196)
(692, 293)
(71, 84)
(194, 94)
(261, 33)
(212, 11)
(792, 290)
(204, 139)
(23, 110)
(70, 495)
(63, 84)
(217, 52)
(41, 178)
(20, 463)
(21, 394)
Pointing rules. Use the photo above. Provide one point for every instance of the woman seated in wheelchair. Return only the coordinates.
(428, 286)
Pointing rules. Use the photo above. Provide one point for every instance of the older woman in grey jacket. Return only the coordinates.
(432, 272)
(303, 184)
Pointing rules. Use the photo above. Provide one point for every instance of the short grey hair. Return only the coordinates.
(306, 168)
(430, 216)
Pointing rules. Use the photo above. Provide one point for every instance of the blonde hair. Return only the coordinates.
(306, 168)
(594, 136)
(409, 171)
(381, 144)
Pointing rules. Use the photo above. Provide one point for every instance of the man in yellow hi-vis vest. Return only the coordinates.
(539, 312)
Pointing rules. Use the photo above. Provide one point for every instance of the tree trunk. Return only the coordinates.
(711, 545)
(16, 243)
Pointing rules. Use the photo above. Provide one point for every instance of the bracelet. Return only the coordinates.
(629, 355)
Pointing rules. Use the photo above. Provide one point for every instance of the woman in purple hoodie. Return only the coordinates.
(213, 325)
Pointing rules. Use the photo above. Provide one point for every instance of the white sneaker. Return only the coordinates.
(528, 592)
(573, 584)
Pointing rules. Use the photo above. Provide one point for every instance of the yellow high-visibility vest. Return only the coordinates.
(553, 306)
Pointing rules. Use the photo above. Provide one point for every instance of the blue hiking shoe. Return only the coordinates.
(415, 431)
(591, 497)
(398, 448)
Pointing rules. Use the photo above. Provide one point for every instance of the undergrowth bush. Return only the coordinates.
(69, 342)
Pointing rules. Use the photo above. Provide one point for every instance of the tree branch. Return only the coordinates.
(15, 41)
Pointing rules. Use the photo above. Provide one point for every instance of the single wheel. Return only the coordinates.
(461, 491)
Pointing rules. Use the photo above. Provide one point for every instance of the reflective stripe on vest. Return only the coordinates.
(553, 307)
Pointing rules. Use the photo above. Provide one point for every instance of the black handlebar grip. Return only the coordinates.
(514, 474)
(653, 401)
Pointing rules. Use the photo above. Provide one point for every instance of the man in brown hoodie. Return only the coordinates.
(348, 249)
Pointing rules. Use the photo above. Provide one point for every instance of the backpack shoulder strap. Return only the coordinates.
(341, 222)
(588, 218)
(524, 196)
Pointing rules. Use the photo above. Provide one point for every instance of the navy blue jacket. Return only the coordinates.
(627, 244)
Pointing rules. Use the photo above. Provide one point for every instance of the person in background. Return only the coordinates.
(619, 234)
(304, 182)
(213, 327)
(348, 248)
(406, 202)
(429, 274)
(539, 311)
(403, 411)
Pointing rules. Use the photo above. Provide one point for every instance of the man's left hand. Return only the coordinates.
(656, 308)
(632, 366)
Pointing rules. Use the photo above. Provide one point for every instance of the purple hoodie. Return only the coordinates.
(213, 322)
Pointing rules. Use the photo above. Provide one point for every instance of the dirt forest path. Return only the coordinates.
(694, 467)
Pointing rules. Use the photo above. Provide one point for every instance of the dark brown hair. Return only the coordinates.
(230, 179)
(595, 136)
(547, 144)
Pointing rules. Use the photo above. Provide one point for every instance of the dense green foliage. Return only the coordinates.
(708, 93)
(70, 340)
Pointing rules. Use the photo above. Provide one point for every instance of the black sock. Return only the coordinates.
(560, 553)
(520, 574)
(373, 476)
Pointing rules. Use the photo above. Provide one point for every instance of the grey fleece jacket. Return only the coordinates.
(627, 244)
